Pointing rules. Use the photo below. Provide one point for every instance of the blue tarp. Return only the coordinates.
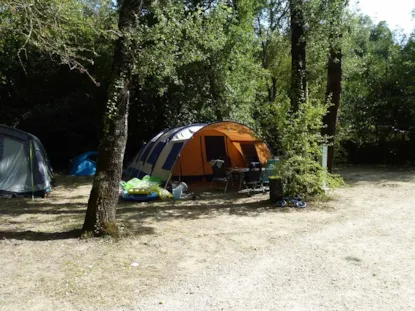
(84, 164)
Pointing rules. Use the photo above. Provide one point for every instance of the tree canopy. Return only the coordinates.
(198, 61)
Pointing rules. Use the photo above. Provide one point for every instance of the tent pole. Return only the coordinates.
(203, 160)
(168, 180)
(171, 171)
(31, 169)
(226, 145)
(170, 175)
(181, 173)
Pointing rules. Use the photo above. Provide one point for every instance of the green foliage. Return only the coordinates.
(43, 53)
(377, 114)
(200, 61)
(64, 30)
(170, 38)
(300, 143)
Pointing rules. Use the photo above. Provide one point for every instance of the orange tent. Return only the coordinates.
(184, 153)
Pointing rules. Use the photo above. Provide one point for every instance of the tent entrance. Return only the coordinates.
(249, 152)
(215, 147)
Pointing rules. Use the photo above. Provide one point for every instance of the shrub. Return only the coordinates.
(301, 142)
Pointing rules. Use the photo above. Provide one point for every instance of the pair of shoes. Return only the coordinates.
(300, 204)
(281, 203)
(292, 202)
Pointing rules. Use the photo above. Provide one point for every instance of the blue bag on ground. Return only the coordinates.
(84, 164)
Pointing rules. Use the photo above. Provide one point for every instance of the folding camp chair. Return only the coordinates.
(253, 177)
(220, 173)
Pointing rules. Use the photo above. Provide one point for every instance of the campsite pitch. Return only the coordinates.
(218, 253)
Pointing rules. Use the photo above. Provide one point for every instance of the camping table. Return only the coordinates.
(239, 172)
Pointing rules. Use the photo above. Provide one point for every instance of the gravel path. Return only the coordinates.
(363, 259)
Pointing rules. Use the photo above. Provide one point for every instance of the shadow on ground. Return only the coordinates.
(51, 219)
(40, 236)
(23, 219)
(189, 209)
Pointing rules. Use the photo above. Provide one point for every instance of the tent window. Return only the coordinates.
(155, 153)
(171, 158)
(146, 151)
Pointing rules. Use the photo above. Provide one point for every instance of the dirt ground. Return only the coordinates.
(355, 252)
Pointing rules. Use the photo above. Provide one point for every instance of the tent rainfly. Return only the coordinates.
(24, 165)
(184, 153)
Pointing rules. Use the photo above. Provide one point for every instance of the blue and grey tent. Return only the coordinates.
(24, 165)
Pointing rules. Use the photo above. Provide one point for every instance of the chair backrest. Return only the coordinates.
(219, 168)
(254, 173)
(227, 159)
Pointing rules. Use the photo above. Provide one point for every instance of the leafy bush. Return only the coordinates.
(301, 143)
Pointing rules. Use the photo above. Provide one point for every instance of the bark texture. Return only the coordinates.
(100, 215)
(298, 55)
(334, 77)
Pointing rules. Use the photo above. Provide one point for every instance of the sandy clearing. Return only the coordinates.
(355, 252)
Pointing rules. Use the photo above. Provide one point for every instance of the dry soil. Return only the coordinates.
(355, 252)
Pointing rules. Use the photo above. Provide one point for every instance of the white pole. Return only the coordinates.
(324, 166)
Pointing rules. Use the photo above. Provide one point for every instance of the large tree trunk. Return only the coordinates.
(298, 92)
(100, 215)
(334, 80)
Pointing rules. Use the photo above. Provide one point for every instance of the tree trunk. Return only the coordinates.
(334, 77)
(100, 215)
(334, 80)
(298, 92)
(272, 90)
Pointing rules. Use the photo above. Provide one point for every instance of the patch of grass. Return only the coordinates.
(107, 229)
(320, 202)
(111, 229)
(322, 198)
